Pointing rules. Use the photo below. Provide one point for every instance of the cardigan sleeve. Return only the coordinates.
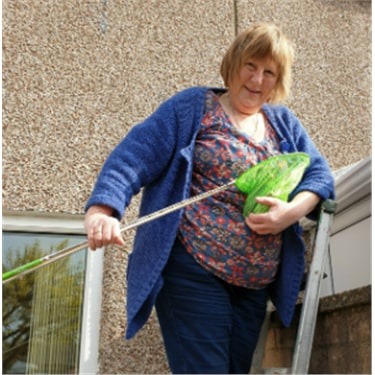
(318, 177)
(136, 161)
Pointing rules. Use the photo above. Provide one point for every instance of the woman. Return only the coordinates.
(208, 270)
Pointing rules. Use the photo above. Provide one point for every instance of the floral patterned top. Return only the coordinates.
(214, 230)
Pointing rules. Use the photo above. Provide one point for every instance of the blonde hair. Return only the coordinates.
(261, 40)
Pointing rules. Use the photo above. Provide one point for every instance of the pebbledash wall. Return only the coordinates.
(77, 75)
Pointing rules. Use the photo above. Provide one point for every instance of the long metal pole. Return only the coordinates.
(50, 258)
(306, 329)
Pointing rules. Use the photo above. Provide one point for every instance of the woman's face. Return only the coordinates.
(254, 84)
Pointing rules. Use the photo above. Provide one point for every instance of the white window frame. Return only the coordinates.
(36, 222)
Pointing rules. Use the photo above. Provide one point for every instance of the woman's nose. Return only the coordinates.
(257, 77)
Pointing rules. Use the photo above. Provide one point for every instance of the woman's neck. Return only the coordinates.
(250, 123)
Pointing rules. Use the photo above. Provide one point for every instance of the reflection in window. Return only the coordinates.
(42, 311)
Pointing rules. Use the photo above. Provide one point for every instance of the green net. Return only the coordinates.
(274, 177)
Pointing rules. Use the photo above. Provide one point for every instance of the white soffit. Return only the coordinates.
(353, 195)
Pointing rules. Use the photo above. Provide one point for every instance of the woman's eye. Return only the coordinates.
(270, 73)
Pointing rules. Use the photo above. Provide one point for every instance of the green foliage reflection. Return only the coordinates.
(42, 313)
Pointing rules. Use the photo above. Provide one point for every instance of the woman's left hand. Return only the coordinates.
(275, 220)
(281, 214)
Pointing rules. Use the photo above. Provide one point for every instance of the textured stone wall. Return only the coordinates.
(342, 341)
(77, 74)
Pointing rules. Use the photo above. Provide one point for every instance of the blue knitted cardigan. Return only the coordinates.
(157, 154)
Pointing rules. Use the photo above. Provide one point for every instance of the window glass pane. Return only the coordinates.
(42, 310)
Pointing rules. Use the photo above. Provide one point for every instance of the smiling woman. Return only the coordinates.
(256, 70)
(263, 41)
(253, 86)
(209, 266)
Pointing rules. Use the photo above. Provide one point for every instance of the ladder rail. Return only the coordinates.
(306, 327)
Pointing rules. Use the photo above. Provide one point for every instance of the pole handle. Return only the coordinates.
(21, 269)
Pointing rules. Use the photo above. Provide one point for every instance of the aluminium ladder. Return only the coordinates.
(306, 326)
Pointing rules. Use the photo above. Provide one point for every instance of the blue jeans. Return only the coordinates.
(208, 325)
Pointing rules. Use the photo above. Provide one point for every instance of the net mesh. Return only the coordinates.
(275, 177)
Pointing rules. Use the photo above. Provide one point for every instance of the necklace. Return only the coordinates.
(249, 128)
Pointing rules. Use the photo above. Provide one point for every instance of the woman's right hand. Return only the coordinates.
(102, 228)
